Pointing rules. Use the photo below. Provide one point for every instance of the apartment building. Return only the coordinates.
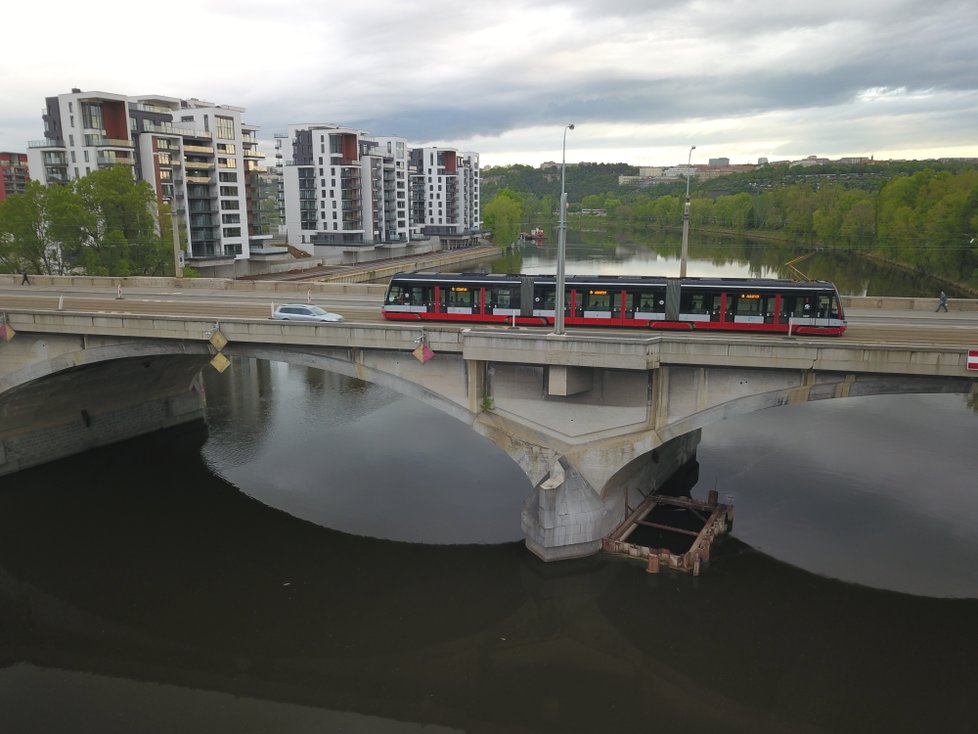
(342, 187)
(445, 191)
(198, 156)
(14, 174)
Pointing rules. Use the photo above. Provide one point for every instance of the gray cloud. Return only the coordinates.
(833, 78)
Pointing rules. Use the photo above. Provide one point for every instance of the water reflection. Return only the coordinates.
(876, 490)
(358, 458)
(177, 603)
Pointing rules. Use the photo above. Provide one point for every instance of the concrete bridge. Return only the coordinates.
(592, 418)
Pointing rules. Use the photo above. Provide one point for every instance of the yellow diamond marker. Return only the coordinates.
(220, 362)
(218, 340)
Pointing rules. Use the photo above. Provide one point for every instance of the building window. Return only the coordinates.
(225, 127)
(232, 231)
(231, 219)
(228, 177)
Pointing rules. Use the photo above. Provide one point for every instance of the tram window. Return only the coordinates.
(412, 295)
(460, 297)
(596, 300)
(797, 306)
(543, 298)
(648, 301)
(700, 303)
(825, 310)
(398, 294)
(503, 297)
(746, 304)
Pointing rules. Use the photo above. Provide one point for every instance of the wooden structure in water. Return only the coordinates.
(671, 532)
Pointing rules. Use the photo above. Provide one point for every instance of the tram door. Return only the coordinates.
(458, 299)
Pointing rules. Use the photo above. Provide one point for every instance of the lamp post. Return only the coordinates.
(177, 264)
(561, 240)
(685, 250)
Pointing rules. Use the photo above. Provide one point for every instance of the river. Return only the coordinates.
(325, 555)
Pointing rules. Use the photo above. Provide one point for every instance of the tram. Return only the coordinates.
(648, 302)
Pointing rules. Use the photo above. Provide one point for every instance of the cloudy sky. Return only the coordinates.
(642, 80)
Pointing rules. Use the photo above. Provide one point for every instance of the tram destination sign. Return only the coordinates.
(973, 359)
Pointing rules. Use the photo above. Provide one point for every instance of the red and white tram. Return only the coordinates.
(708, 304)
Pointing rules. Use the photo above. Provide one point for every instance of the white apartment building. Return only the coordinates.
(197, 155)
(343, 187)
(445, 191)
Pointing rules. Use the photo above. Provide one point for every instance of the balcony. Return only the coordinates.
(114, 160)
(48, 143)
(203, 149)
(99, 141)
(199, 165)
(152, 127)
(188, 132)
(200, 179)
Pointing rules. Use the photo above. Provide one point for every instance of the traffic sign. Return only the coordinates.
(973, 359)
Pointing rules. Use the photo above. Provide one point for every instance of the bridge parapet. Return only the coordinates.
(526, 346)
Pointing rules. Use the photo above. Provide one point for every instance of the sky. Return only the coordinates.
(641, 80)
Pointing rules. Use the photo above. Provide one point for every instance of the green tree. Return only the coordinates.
(26, 241)
(503, 215)
(121, 233)
(103, 224)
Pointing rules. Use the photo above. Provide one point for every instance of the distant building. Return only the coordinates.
(811, 161)
(343, 187)
(719, 162)
(14, 174)
(198, 156)
(445, 191)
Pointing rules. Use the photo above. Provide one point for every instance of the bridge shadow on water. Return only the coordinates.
(137, 564)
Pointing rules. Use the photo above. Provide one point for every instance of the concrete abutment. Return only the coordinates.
(566, 517)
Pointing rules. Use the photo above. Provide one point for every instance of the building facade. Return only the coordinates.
(342, 187)
(445, 191)
(14, 174)
(198, 157)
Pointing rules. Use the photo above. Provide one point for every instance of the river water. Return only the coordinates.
(325, 555)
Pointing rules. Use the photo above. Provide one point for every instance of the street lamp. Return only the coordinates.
(177, 254)
(561, 240)
(685, 250)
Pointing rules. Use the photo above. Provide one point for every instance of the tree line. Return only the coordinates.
(924, 217)
(105, 223)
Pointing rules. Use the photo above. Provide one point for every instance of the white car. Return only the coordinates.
(303, 312)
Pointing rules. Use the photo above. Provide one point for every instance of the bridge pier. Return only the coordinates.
(566, 517)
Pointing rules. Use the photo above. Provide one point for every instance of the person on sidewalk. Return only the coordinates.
(942, 302)
(24, 280)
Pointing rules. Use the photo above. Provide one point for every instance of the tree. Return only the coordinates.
(103, 224)
(26, 242)
(121, 233)
(503, 215)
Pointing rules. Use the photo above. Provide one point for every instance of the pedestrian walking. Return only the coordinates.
(24, 280)
(942, 302)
